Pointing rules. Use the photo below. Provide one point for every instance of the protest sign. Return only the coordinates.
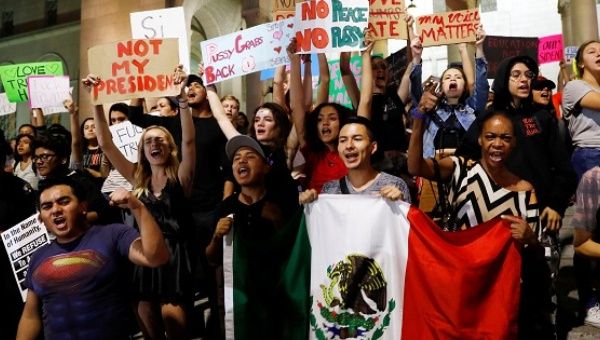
(331, 25)
(47, 91)
(6, 107)
(337, 90)
(20, 242)
(133, 68)
(126, 137)
(570, 53)
(14, 77)
(282, 15)
(397, 63)
(448, 28)
(497, 48)
(251, 50)
(163, 23)
(386, 19)
(550, 49)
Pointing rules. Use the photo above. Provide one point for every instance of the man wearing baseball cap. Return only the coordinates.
(260, 227)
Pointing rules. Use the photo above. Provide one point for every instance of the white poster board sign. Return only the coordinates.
(20, 242)
(6, 107)
(48, 91)
(251, 50)
(126, 137)
(163, 23)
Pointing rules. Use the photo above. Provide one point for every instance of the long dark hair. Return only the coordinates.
(282, 124)
(18, 157)
(311, 125)
(84, 142)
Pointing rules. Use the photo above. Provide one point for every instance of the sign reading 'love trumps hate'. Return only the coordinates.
(14, 77)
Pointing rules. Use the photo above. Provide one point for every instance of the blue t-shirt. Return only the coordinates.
(79, 284)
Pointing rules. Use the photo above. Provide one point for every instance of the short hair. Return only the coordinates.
(50, 182)
(121, 107)
(230, 97)
(362, 121)
(57, 143)
(494, 113)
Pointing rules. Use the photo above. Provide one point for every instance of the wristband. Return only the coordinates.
(416, 114)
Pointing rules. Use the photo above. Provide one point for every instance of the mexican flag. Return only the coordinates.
(363, 267)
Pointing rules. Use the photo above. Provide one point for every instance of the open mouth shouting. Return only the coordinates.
(60, 223)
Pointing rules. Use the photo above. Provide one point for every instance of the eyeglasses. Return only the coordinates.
(43, 157)
(515, 74)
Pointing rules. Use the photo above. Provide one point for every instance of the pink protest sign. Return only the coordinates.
(550, 49)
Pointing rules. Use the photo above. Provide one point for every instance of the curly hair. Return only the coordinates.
(311, 129)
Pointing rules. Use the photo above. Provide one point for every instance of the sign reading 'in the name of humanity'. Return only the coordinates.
(134, 68)
(448, 28)
(20, 242)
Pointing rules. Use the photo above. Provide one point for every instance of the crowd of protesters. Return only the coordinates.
(200, 161)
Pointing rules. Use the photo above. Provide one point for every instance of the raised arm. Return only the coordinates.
(467, 66)
(324, 80)
(278, 89)
(417, 165)
(149, 249)
(76, 151)
(185, 173)
(296, 92)
(307, 82)
(348, 78)
(415, 74)
(217, 109)
(123, 166)
(37, 118)
(403, 90)
(478, 99)
(30, 325)
(366, 81)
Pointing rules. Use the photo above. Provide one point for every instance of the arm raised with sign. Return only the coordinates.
(366, 83)
(185, 173)
(296, 92)
(76, 151)
(348, 78)
(123, 166)
(324, 80)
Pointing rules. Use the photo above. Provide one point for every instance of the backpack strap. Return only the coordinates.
(343, 186)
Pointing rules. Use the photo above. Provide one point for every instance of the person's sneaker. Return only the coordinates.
(593, 316)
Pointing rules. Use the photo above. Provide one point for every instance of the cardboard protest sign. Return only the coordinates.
(285, 5)
(550, 49)
(331, 25)
(20, 242)
(250, 50)
(14, 77)
(337, 90)
(282, 15)
(497, 48)
(47, 91)
(160, 24)
(386, 19)
(133, 68)
(448, 28)
(6, 107)
(126, 137)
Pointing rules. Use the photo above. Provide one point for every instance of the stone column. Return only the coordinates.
(583, 21)
(564, 8)
(104, 21)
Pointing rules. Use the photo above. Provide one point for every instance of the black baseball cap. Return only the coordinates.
(540, 82)
(240, 141)
(194, 78)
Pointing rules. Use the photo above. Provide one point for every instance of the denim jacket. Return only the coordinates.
(465, 113)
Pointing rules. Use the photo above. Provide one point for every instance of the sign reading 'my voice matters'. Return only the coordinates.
(251, 50)
(387, 19)
(448, 28)
(331, 25)
(14, 77)
(163, 23)
(134, 68)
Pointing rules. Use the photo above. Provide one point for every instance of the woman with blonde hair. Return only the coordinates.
(164, 185)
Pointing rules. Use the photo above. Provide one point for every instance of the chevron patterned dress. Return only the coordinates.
(475, 198)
